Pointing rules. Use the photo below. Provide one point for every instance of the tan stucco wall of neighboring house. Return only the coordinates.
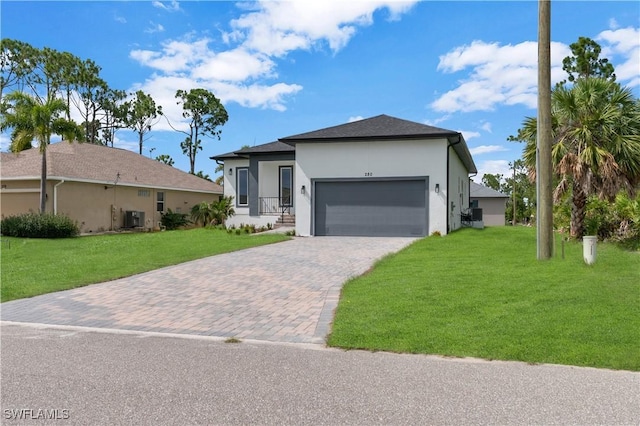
(97, 207)
(19, 197)
(492, 210)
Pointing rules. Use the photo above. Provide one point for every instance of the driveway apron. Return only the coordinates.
(280, 292)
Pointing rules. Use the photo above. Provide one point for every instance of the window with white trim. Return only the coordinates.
(160, 201)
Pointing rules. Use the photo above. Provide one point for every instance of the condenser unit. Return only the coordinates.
(133, 219)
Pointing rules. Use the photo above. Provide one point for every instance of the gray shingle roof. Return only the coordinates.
(101, 164)
(481, 191)
(267, 148)
(379, 127)
(384, 127)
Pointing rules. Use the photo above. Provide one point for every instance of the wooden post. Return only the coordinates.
(544, 165)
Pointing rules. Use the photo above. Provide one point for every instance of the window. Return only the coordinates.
(160, 201)
(242, 186)
(144, 193)
(286, 186)
(474, 204)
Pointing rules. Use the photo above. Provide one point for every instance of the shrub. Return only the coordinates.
(171, 220)
(214, 213)
(36, 225)
(617, 221)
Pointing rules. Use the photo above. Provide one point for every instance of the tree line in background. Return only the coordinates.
(55, 82)
(595, 153)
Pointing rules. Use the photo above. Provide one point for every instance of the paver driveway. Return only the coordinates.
(280, 292)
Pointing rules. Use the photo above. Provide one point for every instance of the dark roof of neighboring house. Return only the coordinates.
(267, 148)
(100, 164)
(384, 127)
(226, 156)
(481, 191)
(379, 127)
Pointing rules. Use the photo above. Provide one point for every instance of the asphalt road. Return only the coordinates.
(97, 377)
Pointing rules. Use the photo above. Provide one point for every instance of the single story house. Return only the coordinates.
(493, 204)
(102, 188)
(381, 176)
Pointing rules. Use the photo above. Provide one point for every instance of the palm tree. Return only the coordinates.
(222, 210)
(33, 119)
(202, 213)
(214, 213)
(596, 143)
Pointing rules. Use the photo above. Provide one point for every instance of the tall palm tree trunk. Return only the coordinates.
(578, 210)
(43, 182)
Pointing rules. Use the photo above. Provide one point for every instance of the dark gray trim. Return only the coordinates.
(377, 179)
(254, 200)
(238, 170)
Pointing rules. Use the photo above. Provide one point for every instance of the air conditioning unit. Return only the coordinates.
(133, 219)
(476, 214)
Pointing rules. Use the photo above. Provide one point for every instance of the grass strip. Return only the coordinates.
(36, 266)
(482, 293)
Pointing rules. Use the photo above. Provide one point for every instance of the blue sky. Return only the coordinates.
(283, 68)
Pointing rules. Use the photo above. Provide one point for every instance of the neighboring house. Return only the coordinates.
(493, 204)
(380, 176)
(101, 188)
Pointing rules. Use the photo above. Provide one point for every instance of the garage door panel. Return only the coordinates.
(371, 208)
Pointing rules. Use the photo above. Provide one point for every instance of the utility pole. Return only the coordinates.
(543, 151)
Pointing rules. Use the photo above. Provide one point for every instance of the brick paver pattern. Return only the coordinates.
(284, 292)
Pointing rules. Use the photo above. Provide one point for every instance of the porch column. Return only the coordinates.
(254, 207)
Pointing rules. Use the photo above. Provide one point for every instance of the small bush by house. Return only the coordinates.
(39, 225)
(172, 220)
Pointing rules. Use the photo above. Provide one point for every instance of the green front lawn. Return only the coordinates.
(36, 266)
(482, 293)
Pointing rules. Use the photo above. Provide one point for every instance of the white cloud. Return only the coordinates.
(507, 74)
(176, 55)
(246, 72)
(499, 75)
(120, 19)
(486, 126)
(234, 65)
(169, 7)
(154, 28)
(486, 149)
(492, 167)
(623, 43)
(276, 28)
(356, 118)
(437, 121)
(257, 95)
(469, 134)
(613, 24)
